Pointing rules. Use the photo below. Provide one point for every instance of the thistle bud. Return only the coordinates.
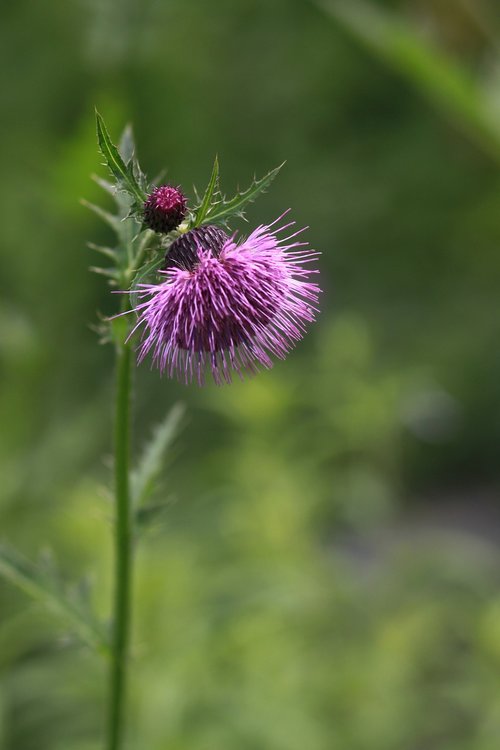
(164, 208)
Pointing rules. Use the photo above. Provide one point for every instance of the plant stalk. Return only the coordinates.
(122, 549)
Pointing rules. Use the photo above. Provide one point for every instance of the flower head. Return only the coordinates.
(227, 305)
(164, 208)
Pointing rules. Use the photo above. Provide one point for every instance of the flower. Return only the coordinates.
(164, 208)
(227, 305)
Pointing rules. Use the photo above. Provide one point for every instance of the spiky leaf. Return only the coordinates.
(211, 192)
(154, 456)
(45, 583)
(223, 209)
(124, 176)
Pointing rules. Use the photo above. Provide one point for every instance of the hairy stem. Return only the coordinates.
(123, 550)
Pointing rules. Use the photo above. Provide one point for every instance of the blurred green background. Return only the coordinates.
(327, 576)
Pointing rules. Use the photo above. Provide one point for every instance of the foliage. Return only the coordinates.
(215, 208)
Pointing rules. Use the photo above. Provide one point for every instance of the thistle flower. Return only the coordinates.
(225, 304)
(164, 208)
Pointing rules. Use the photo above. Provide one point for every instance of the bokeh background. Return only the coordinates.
(327, 575)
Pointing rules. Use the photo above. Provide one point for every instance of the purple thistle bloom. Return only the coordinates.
(227, 304)
(164, 208)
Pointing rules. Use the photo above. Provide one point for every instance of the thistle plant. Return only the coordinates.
(199, 301)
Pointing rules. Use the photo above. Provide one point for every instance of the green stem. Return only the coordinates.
(123, 550)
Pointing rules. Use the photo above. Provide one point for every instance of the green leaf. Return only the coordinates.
(124, 176)
(224, 209)
(154, 456)
(212, 189)
(122, 199)
(45, 584)
(126, 227)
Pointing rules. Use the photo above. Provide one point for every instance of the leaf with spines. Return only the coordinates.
(125, 175)
(221, 209)
(134, 243)
(153, 459)
(211, 196)
(45, 583)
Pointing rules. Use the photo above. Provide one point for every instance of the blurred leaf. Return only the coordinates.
(126, 146)
(105, 184)
(110, 219)
(110, 273)
(441, 78)
(149, 515)
(127, 151)
(124, 175)
(107, 251)
(153, 458)
(134, 241)
(45, 583)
